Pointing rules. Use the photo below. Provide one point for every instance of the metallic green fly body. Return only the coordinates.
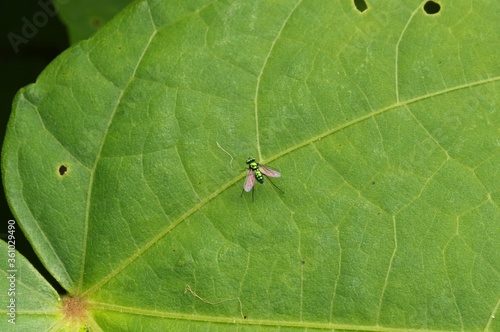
(257, 171)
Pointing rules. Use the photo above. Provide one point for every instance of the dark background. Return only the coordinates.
(18, 69)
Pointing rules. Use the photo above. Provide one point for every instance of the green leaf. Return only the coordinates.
(384, 124)
(25, 291)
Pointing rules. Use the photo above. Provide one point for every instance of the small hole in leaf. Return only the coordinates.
(302, 262)
(245, 317)
(62, 170)
(432, 7)
(360, 5)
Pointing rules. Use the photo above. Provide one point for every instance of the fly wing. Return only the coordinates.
(249, 181)
(269, 171)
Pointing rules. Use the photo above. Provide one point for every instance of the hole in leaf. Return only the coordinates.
(62, 170)
(432, 7)
(360, 5)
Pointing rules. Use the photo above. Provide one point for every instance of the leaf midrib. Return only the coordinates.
(99, 152)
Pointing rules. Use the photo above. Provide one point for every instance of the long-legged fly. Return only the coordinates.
(257, 172)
